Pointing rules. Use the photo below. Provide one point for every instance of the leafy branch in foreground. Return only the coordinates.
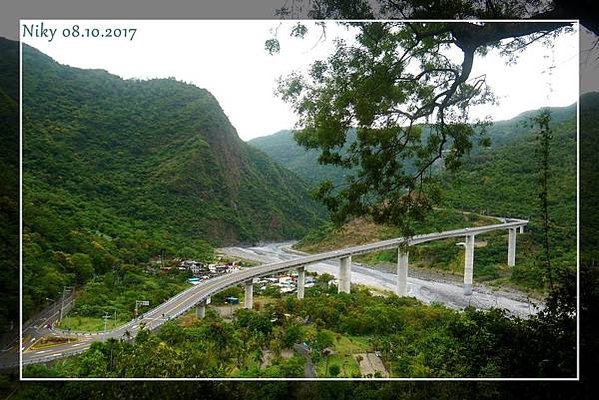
(400, 86)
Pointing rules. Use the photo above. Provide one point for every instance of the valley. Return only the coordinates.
(120, 175)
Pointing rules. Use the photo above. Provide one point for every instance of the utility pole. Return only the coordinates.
(62, 303)
(64, 290)
(106, 318)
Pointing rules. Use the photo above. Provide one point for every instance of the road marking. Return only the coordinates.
(32, 340)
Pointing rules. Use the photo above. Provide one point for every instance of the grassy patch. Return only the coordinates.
(352, 344)
(345, 347)
(89, 324)
(348, 366)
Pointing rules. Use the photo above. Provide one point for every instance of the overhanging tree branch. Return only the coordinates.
(408, 102)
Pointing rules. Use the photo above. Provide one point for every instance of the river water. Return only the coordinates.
(427, 291)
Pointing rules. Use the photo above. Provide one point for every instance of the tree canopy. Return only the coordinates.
(584, 10)
(409, 100)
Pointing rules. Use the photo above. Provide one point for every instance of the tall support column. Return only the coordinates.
(402, 272)
(301, 282)
(344, 275)
(468, 265)
(249, 295)
(511, 247)
(201, 310)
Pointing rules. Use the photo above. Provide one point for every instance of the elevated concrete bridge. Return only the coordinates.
(199, 296)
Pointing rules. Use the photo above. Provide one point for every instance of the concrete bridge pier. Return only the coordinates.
(201, 308)
(511, 247)
(468, 265)
(301, 282)
(249, 295)
(402, 272)
(344, 275)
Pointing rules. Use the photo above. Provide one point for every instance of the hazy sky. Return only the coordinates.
(228, 59)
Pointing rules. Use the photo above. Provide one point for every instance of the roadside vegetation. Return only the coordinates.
(339, 333)
(114, 294)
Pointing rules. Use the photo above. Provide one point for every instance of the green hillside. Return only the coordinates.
(501, 180)
(119, 170)
(504, 181)
(282, 147)
(589, 178)
(9, 183)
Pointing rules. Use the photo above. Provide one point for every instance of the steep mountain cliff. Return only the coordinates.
(118, 170)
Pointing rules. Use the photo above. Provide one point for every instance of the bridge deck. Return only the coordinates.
(189, 298)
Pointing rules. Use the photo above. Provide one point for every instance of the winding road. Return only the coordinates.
(277, 260)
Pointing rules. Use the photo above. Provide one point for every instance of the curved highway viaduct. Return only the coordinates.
(198, 296)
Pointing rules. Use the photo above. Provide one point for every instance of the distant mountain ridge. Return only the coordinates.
(282, 147)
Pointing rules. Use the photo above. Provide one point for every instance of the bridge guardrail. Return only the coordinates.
(53, 357)
(217, 285)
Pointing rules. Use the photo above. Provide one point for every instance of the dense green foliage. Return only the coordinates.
(390, 81)
(589, 177)
(589, 234)
(116, 171)
(282, 148)
(414, 340)
(505, 182)
(115, 293)
(9, 184)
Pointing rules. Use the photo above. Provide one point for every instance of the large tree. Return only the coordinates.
(585, 10)
(402, 87)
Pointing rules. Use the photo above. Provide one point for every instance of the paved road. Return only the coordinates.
(309, 368)
(33, 329)
(187, 299)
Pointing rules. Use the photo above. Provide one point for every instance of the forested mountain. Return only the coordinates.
(589, 178)
(504, 180)
(9, 183)
(282, 147)
(118, 170)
